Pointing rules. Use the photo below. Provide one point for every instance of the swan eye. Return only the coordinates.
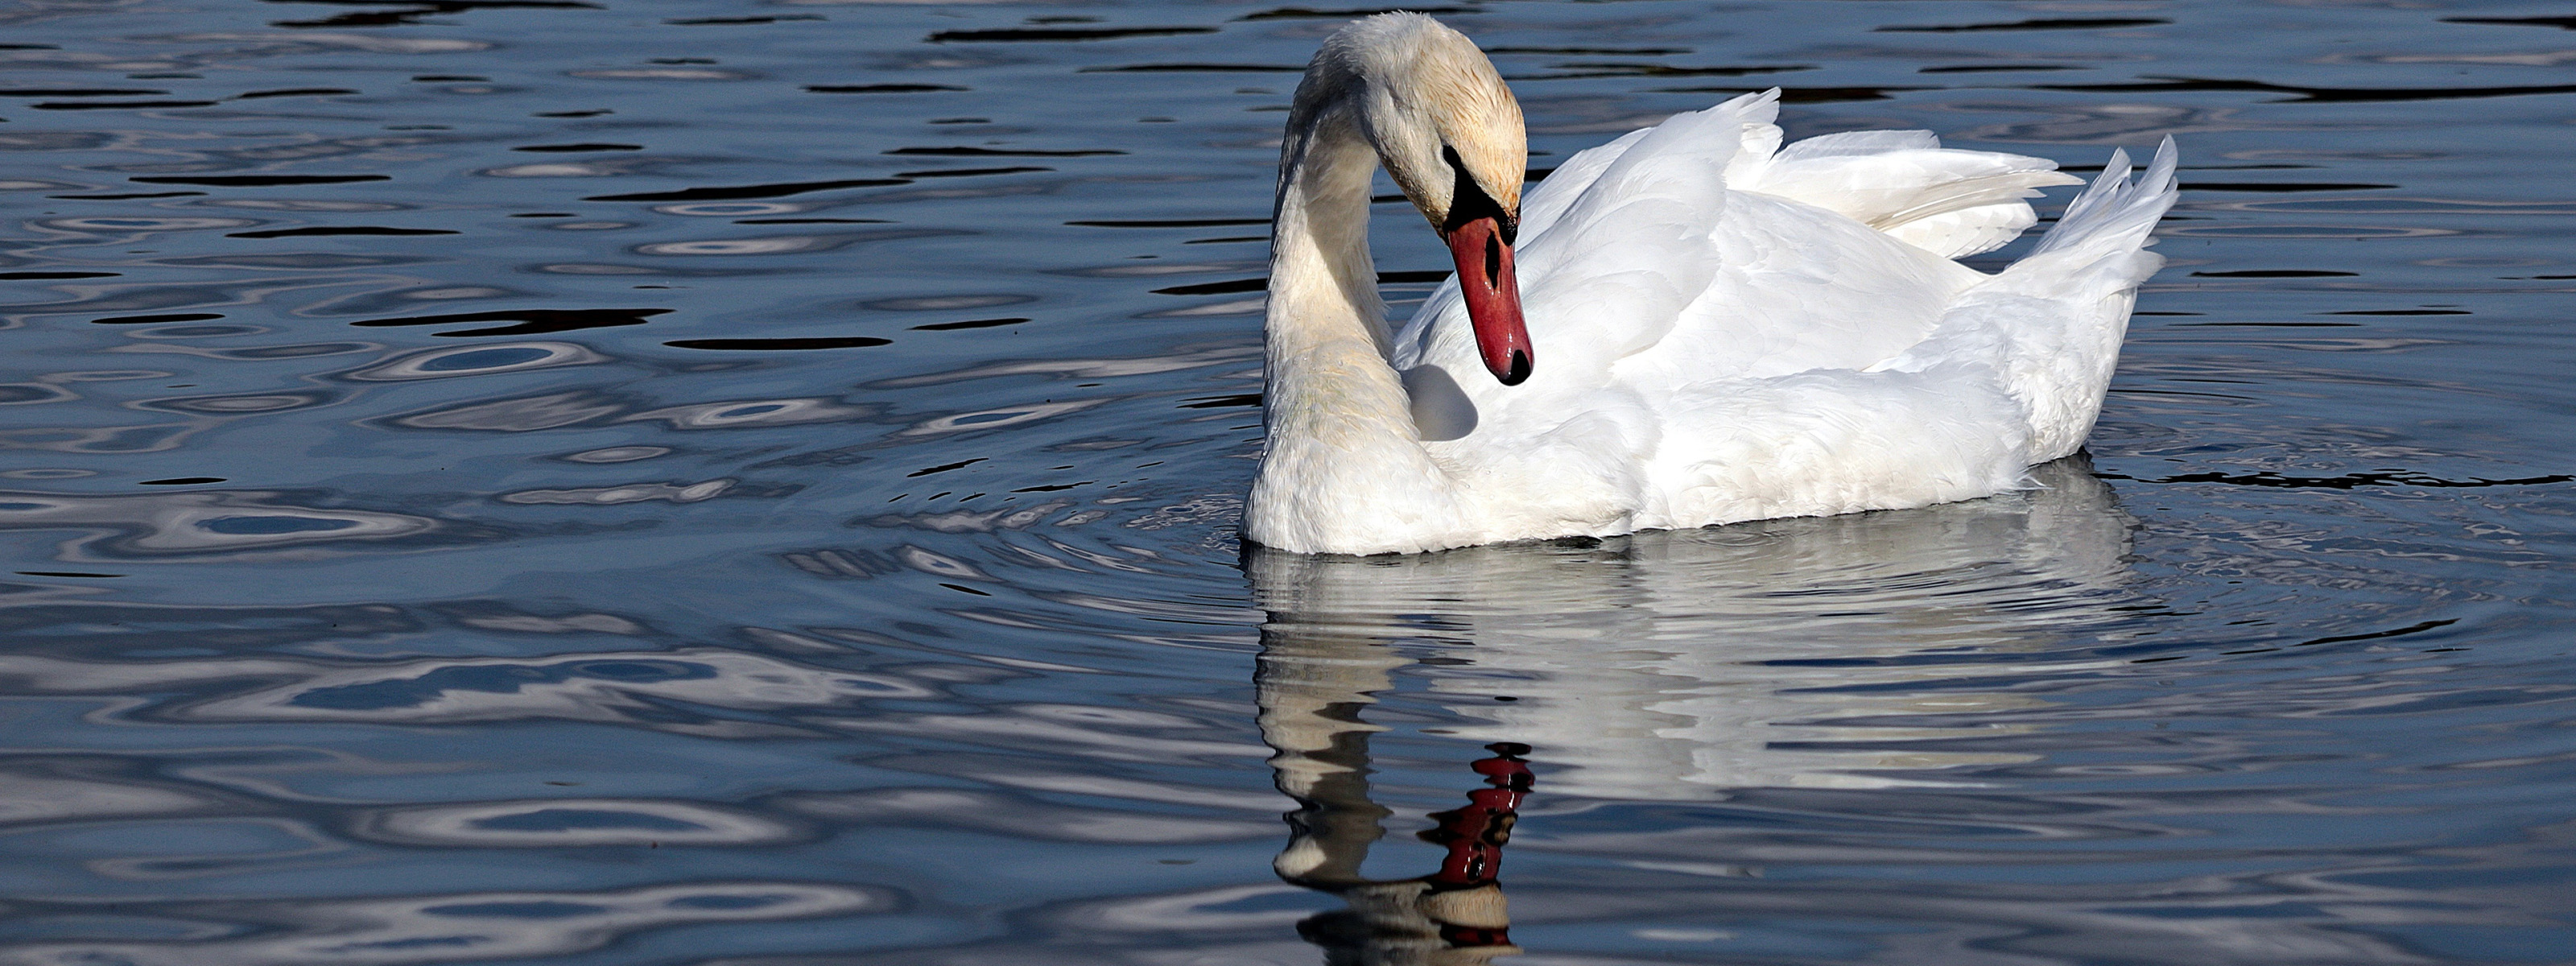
(1468, 201)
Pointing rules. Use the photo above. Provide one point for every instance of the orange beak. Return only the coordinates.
(1493, 299)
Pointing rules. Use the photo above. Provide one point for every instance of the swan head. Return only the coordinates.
(1450, 133)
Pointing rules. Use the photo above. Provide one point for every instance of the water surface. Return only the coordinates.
(614, 482)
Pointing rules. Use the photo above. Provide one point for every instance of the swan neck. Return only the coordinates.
(1344, 465)
(1323, 282)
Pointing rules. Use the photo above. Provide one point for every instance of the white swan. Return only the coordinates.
(1716, 329)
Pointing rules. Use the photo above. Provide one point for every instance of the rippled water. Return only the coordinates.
(598, 481)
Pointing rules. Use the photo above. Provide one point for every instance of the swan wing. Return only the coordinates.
(1709, 352)
(1948, 202)
(1695, 249)
(2013, 374)
(1642, 267)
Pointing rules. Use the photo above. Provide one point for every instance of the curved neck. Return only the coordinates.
(1343, 450)
(1323, 284)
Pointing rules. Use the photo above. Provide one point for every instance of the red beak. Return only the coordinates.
(1493, 299)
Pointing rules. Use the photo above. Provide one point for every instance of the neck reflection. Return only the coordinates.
(1453, 916)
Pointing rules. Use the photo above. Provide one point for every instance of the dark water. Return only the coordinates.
(607, 482)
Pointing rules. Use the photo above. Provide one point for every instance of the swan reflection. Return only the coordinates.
(1658, 667)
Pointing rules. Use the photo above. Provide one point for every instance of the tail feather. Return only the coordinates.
(2077, 287)
(2116, 213)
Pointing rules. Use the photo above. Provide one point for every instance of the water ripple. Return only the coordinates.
(572, 822)
(203, 525)
(478, 925)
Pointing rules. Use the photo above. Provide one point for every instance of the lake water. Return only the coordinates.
(618, 482)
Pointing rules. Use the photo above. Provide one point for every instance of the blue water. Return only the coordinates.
(616, 482)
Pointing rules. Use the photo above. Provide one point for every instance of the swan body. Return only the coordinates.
(1694, 325)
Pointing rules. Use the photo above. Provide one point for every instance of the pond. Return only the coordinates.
(596, 482)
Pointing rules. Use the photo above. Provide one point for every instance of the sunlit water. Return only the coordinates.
(607, 482)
